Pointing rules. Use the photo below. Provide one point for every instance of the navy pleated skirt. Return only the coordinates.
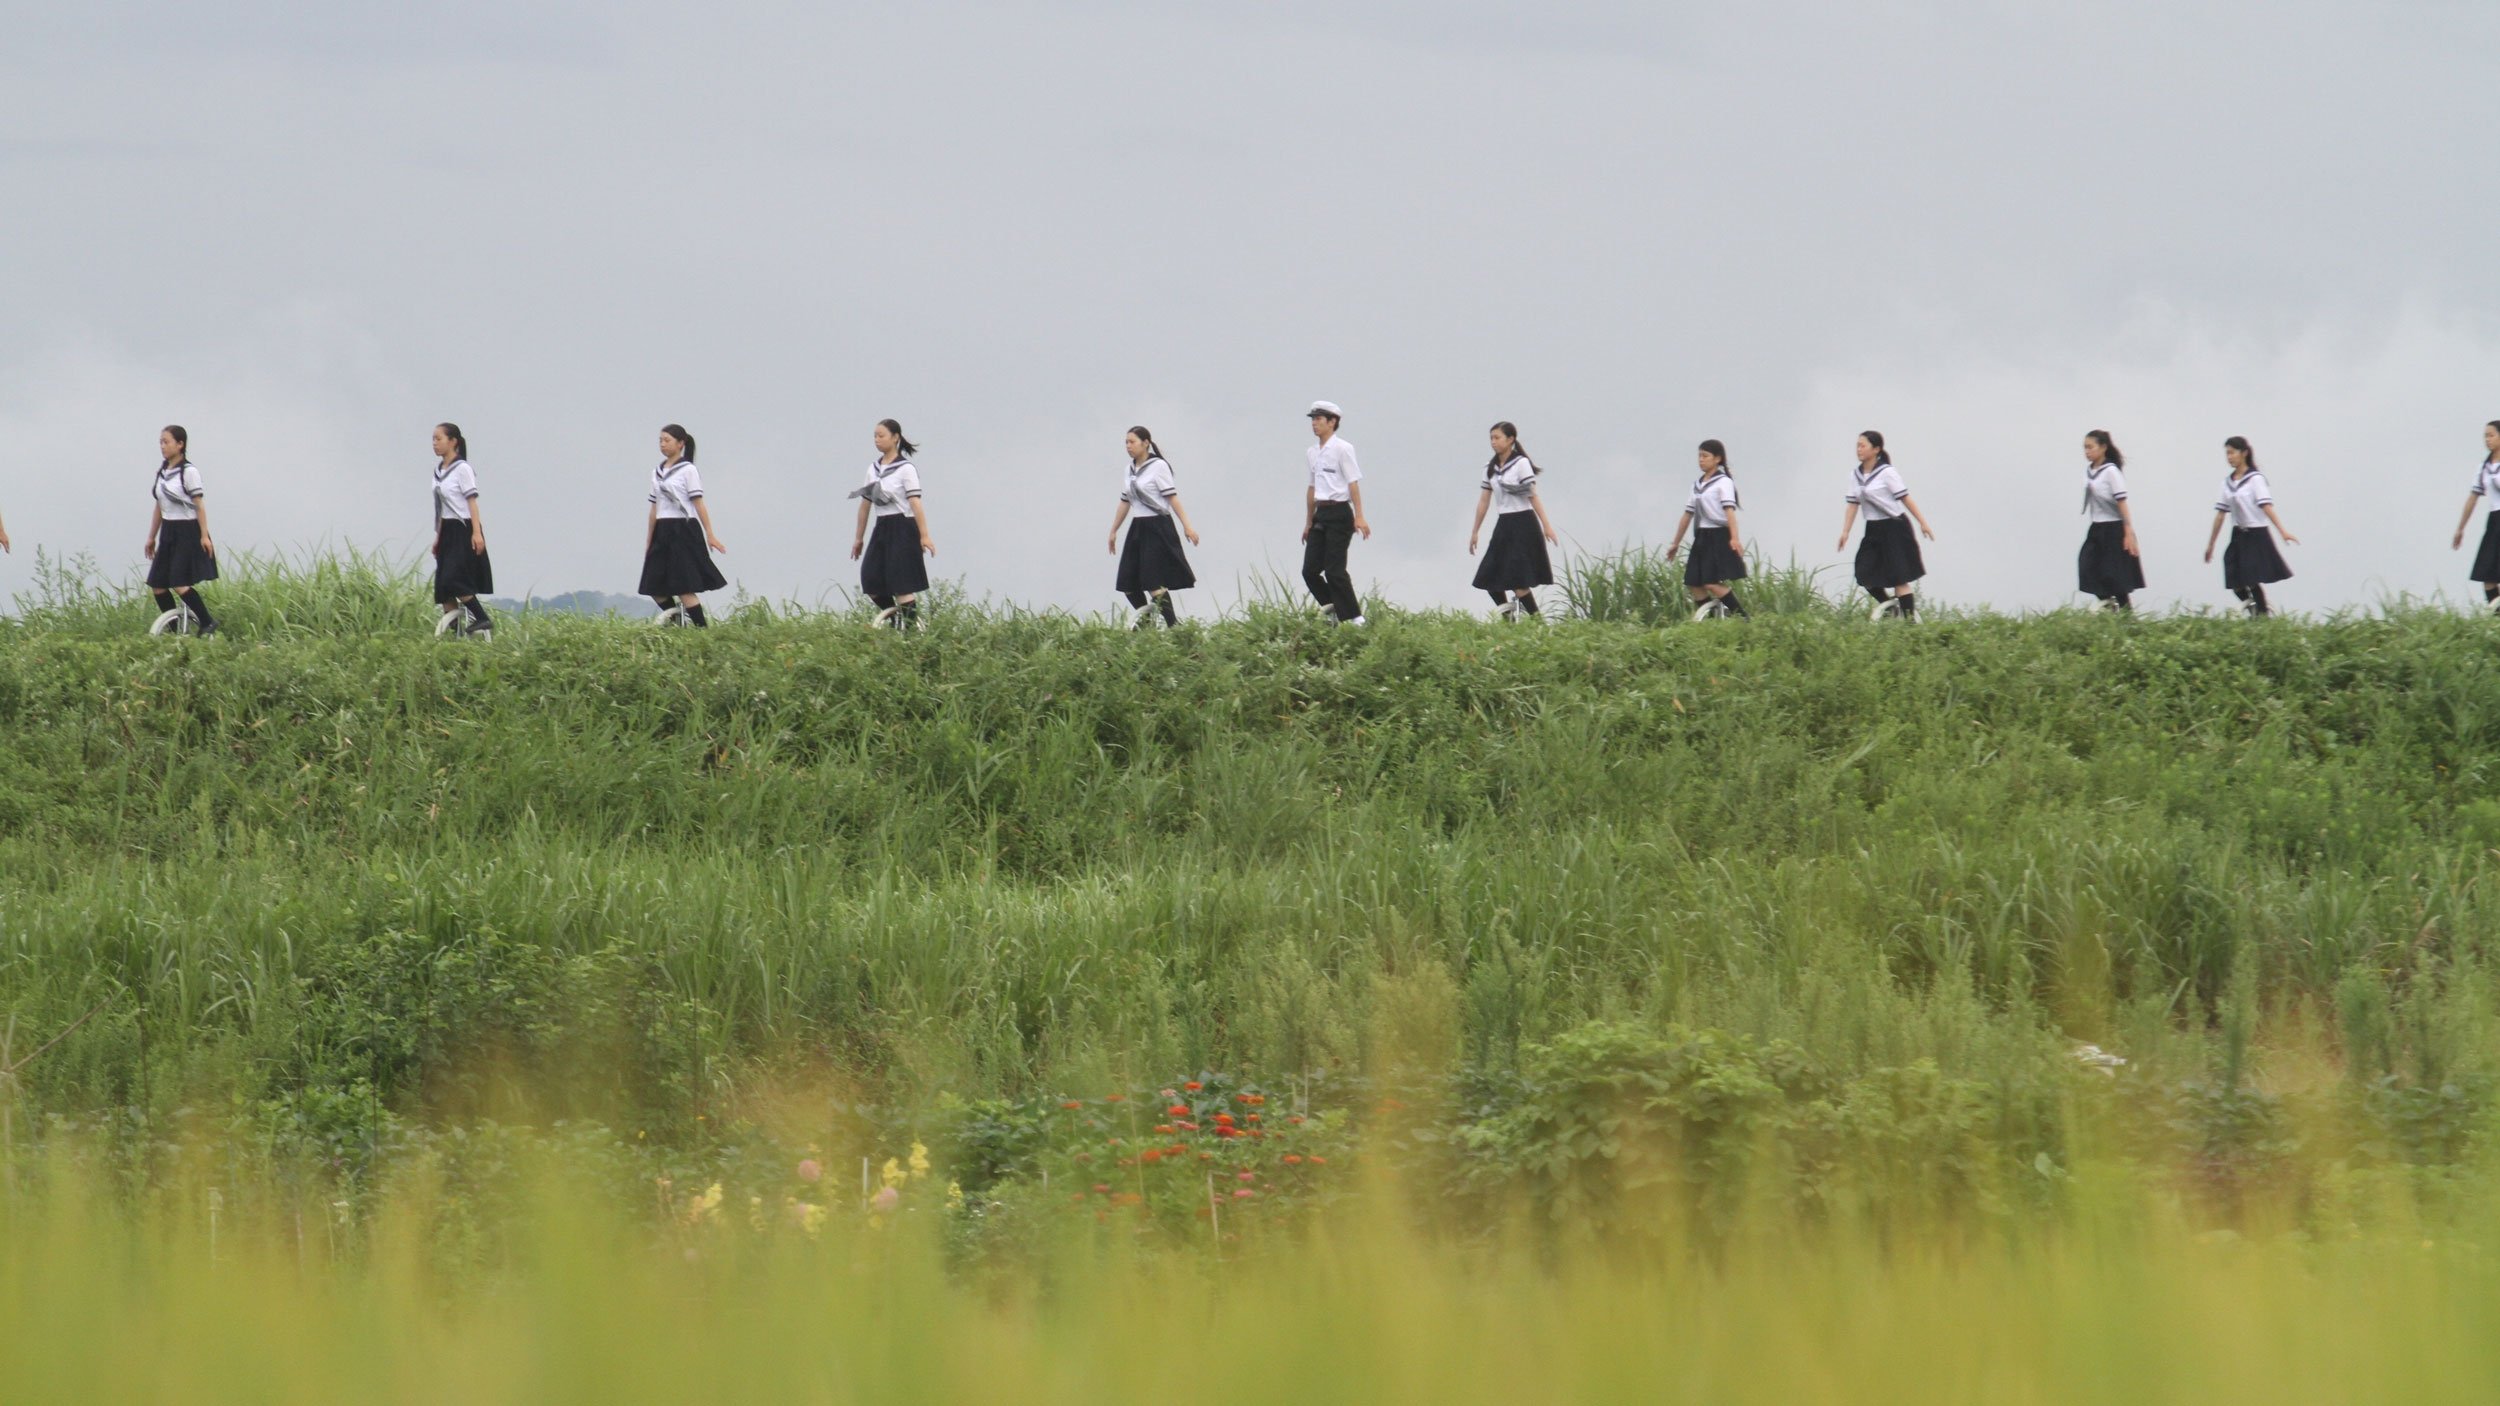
(2105, 568)
(180, 560)
(892, 564)
(1515, 560)
(1888, 556)
(2252, 559)
(1151, 559)
(678, 562)
(459, 572)
(1713, 560)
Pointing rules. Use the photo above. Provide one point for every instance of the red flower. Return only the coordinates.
(1224, 1132)
(1153, 1155)
(1318, 1161)
(1293, 1159)
(1165, 1128)
(1254, 1117)
(1178, 1110)
(1193, 1086)
(1224, 1118)
(1296, 1120)
(1071, 1103)
(1115, 1098)
(1102, 1188)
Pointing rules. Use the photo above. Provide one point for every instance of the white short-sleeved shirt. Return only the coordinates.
(675, 490)
(889, 488)
(2104, 488)
(2487, 482)
(1878, 493)
(1149, 488)
(1513, 485)
(453, 488)
(177, 486)
(1333, 470)
(1714, 497)
(2245, 499)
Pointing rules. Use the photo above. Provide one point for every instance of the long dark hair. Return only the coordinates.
(2493, 425)
(1144, 436)
(678, 433)
(182, 443)
(2246, 453)
(460, 442)
(2109, 448)
(1717, 451)
(1517, 450)
(1875, 439)
(904, 446)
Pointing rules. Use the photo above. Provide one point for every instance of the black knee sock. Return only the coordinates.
(1527, 602)
(2491, 592)
(1499, 598)
(199, 606)
(1163, 601)
(882, 602)
(695, 613)
(664, 603)
(1136, 599)
(164, 601)
(2254, 597)
(477, 612)
(2126, 603)
(1736, 605)
(907, 615)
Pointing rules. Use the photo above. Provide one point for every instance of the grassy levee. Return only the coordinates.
(1021, 852)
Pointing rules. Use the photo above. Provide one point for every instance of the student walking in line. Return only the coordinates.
(678, 540)
(1718, 557)
(1332, 513)
(2486, 490)
(891, 571)
(2251, 563)
(1152, 566)
(2109, 568)
(461, 569)
(1889, 565)
(1516, 563)
(181, 553)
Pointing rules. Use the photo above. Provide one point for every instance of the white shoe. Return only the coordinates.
(1509, 609)
(884, 620)
(1358, 620)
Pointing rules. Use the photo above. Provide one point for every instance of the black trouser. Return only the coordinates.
(1323, 559)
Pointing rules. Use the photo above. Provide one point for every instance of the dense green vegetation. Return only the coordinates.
(329, 880)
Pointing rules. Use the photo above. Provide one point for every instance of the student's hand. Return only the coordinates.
(928, 544)
(1927, 532)
(1364, 526)
(1844, 543)
(1471, 544)
(855, 548)
(2288, 537)
(1192, 534)
(1552, 536)
(1675, 548)
(149, 551)
(1306, 533)
(1735, 548)
(436, 550)
(4, 541)
(477, 543)
(715, 544)
(1113, 546)
(210, 548)
(2128, 542)
(2453, 543)
(2209, 553)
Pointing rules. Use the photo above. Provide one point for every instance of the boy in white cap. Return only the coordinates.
(1332, 512)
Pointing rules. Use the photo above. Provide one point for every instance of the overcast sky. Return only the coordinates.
(309, 229)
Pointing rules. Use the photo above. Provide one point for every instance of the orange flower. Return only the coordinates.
(1178, 1110)
(1151, 1156)
(1318, 1161)
(1293, 1159)
(1193, 1086)
(1164, 1128)
(1115, 1098)
(1071, 1103)
(1224, 1118)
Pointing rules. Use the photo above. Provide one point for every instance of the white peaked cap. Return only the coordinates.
(1327, 408)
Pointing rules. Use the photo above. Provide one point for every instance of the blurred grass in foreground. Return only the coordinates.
(95, 1306)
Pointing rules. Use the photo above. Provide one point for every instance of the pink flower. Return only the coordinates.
(886, 1199)
(1244, 1194)
(810, 1171)
(1245, 1176)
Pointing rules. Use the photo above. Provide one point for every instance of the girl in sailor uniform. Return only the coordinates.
(1889, 564)
(180, 552)
(1718, 552)
(1516, 563)
(2486, 490)
(461, 569)
(2252, 562)
(2109, 568)
(1152, 564)
(678, 540)
(891, 571)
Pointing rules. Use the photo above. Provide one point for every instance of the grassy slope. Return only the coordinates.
(1020, 850)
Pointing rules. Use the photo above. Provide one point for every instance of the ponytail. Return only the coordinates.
(1517, 450)
(460, 442)
(1145, 437)
(1875, 441)
(2109, 448)
(902, 445)
(2246, 453)
(678, 433)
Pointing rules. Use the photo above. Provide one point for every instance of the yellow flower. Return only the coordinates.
(955, 1195)
(919, 1159)
(811, 1217)
(891, 1173)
